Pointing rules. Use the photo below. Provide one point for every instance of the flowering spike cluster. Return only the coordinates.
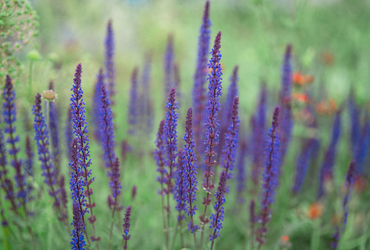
(326, 171)
(126, 226)
(78, 239)
(228, 159)
(80, 132)
(286, 117)
(114, 183)
(180, 188)
(200, 78)
(133, 111)
(176, 82)
(252, 220)
(168, 66)
(68, 132)
(302, 165)
(97, 103)
(63, 193)
(170, 138)
(349, 186)
(109, 61)
(241, 172)
(190, 170)
(355, 123)
(212, 124)
(258, 136)
(54, 135)
(269, 177)
(47, 166)
(9, 115)
(159, 156)
(107, 141)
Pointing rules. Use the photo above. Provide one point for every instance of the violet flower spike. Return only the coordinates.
(10, 116)
(362, 148)
(29, 169)
(54, 135)
(47, 166)
(109, 60)
(326, 171)
(190, 171)
(159, 156)
(200, 78)
(180, 192)
(78, 239)
(126, 226)
(133, 107)
(80, 132)
(349, 186)
(269, 178)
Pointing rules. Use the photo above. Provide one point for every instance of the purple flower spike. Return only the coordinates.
(108, 144)
(29, 166)
(349, 186)
(180, 192)
(54, 135)
(228, 159)
(252, 220)
(168, 66)
(10, 116)
(200, 78)
(326, 171)
(109, 60)
(133, 111)
(170, 135)
(47, 166)
(126, 226)
(269, 178)
(286, 116)
(190, 170)
(362, 148)
(159, 156)
(97, 103)
(80, 132)
(212, 124)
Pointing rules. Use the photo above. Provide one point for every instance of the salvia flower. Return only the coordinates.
(190, 171)
(9, 115)
(159, 156)
(349, 186)
(97, 103)
(114, 183)
(269, 177)
(54, 135)
(168, 66)
(133, 107)
(170, 135)
(109, 60)
(47, 166)
(80, 132)
(212, 124)
(286, 116)
(200, 77)
(28, 166)
(126, 226)
(107, 139)
(362, 148)
(326, 171)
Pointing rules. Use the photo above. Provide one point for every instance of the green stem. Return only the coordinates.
(315, 238)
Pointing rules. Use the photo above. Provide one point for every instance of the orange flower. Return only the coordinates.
(300, 97)
(326, 107)
(284, 238)
(315, 211)
(299, 79)
(284, 242)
